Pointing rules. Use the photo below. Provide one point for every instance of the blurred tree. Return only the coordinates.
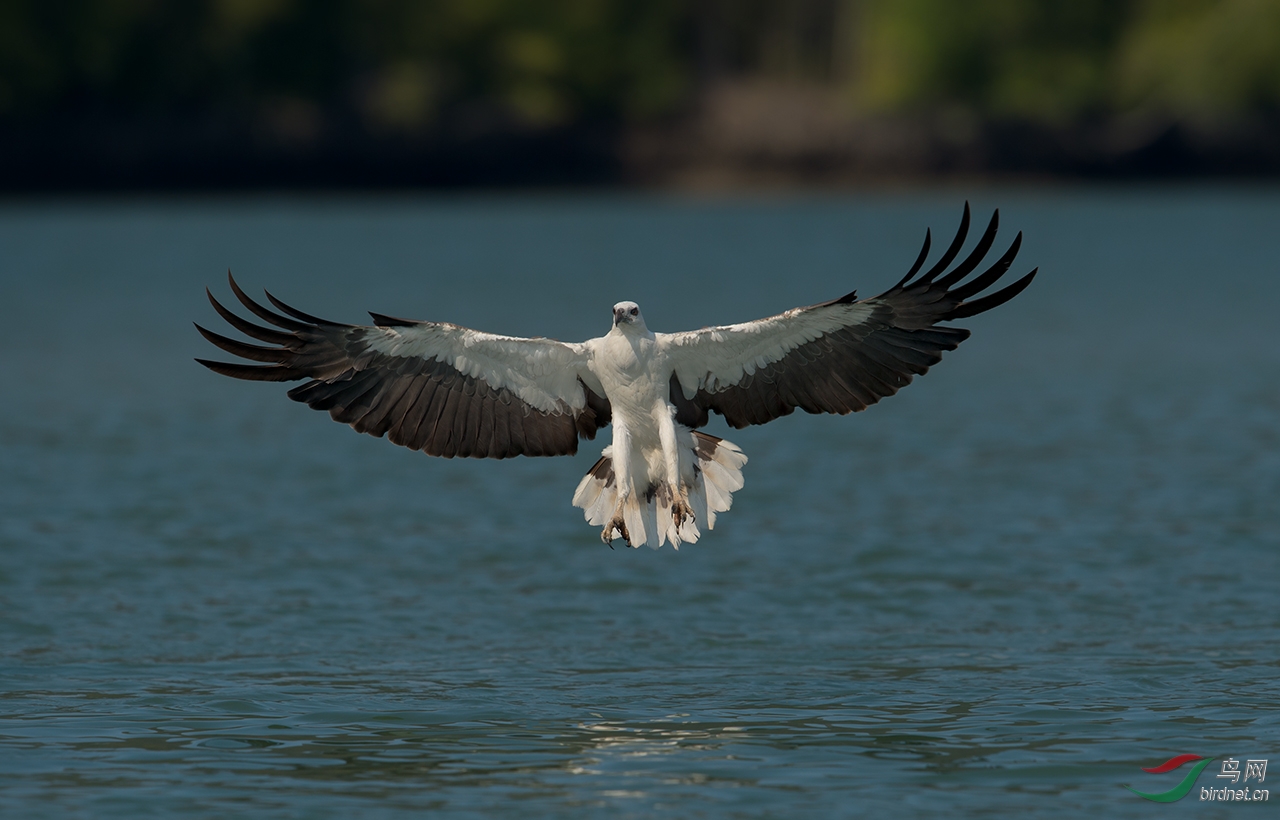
(398, 63)
(545, 63)
(797, 40)
(404, 64)
(1047, 60)
(1059, 60)
(1202, 58)
(204, 80)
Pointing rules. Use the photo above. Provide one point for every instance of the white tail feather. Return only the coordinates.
(710, 470)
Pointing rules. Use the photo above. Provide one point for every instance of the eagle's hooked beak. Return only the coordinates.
(619, 316)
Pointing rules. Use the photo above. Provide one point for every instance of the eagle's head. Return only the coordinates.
(627, 313)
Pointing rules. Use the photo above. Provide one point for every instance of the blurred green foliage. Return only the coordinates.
(393, 63)
(405, 65)
(1066, 59)
(1044, 60)
(1202, 58)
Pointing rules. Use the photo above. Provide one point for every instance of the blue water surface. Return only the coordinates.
(1049, 563)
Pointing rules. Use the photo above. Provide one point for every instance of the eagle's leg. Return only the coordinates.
(616, 523)
(622, 473)
(680, 509)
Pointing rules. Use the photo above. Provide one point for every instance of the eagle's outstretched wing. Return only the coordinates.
(440, 388)
(839, 356)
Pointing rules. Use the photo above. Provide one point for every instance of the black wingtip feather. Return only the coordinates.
(248, 328)
(976, 256)
(297, 314)
(256, 353)
(251, 372)
(382, 320)
(990, 275)
(956, 245)
(260, 311)
(996, 299)
(924, 253)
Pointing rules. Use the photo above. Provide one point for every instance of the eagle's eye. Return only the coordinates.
(635, 311)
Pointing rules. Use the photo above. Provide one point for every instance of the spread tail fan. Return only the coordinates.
(711, 469)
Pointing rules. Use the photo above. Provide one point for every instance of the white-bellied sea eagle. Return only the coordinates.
(451, 391)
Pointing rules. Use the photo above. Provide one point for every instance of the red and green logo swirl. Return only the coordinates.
(1179, 791)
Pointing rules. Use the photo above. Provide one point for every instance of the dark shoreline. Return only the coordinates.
(96, 155)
